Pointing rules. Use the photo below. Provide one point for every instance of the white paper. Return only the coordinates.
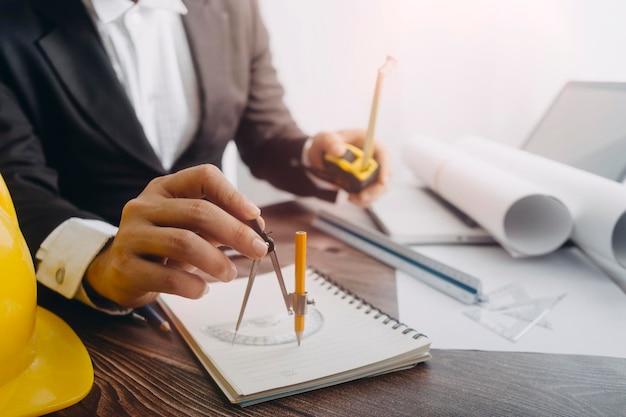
(410, 214)
(525, 218)
(348, 337)
(597, 204)
(589, 320)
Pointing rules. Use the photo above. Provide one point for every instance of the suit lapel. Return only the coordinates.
(74, 49)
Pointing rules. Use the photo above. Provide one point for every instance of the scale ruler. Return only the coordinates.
(450, 281)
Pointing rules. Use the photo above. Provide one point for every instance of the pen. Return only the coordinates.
(300, 286)
(137, 317)
(151, 313)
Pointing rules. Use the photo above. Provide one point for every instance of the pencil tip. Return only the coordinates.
(299, 337)
(165, 326)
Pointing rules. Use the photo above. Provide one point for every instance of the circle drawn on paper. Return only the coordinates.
(276, 329)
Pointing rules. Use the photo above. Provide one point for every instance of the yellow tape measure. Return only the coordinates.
(348, 172)
(356, 169)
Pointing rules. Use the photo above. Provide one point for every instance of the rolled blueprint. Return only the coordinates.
(523, 217)
(597, 204)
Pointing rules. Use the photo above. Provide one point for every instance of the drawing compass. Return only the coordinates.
(271, 252)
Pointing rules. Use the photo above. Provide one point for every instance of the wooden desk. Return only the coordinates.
(140, 371)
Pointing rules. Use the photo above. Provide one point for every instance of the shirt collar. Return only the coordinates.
(109, 10)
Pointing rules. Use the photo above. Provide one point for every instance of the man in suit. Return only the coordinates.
(114, 115)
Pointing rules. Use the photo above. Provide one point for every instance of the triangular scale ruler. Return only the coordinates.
(451, 281)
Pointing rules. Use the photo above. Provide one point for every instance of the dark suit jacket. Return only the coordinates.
(70, 143)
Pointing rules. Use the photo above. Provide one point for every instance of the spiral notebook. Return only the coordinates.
(345, 338)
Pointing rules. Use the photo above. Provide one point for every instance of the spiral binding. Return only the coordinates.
(362, 303)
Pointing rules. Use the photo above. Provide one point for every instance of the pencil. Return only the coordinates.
(300, 279)
(151, 313)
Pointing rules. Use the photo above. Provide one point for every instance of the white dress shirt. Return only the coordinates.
(148, 48)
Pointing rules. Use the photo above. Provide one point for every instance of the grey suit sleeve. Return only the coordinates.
(269, 140)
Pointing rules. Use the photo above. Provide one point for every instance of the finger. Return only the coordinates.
(366, 197)
(173, 263)
(325, 142)
(381, 155)
(333, 143)
(145, 279)
(183, 247)
(206, 181)
(353, 136)
(200, 217)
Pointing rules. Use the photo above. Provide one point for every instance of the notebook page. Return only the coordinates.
(341, 333)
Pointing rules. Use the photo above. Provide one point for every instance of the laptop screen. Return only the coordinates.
(585, 127)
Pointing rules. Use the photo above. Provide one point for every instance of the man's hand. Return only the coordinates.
(169, 238)
(333, 143)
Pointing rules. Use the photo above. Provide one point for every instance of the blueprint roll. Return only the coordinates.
(597, 204)
(525, 218)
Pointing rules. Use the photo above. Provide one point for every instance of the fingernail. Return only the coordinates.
(252, 209)
(232, 275)
(260, 247)
(206, 289)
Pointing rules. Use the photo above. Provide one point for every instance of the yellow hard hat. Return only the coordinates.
(44, 366)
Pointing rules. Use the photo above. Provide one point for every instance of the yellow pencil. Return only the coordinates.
(300, 281)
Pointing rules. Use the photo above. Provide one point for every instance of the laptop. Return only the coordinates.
(584, 126)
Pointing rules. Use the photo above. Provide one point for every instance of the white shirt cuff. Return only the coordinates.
(65, 254)
(306, 162)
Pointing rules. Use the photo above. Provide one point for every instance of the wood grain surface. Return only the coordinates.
(140, 371)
